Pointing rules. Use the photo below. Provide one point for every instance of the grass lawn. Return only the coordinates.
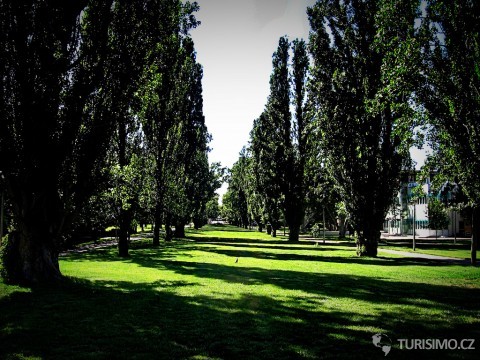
(191, 299)
(460, 250)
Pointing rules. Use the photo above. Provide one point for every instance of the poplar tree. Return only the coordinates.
(53, 130)
(450, 95)
(161, 96)
(365, 60)
(294, 172)
(278, 140)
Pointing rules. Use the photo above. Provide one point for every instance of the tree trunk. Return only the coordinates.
(179, 229)
(124, 216)
(269, 229)
(123, 234)
(274, 232)
(260, 227)
(168, 229)
(31, 259)
(157, 225)
(475, 231)
(367, 243)
(294, 233)
(342, 228)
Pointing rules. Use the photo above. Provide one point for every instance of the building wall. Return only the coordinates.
(399, 220)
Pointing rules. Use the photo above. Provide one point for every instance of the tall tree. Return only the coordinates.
(363, 79)
(268, 179)
(127, 49)
(451, 95)
(278, 113)
(271, 140)
(278, 140)
(191, 151)
(294, 172)
(161, 97)
(238, 190)
(53, 131)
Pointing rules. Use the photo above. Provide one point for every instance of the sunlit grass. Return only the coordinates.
(228, 293)
(461, 250)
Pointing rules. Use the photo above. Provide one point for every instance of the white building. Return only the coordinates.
(400, 219)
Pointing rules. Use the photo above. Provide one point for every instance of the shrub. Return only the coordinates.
(8, 253)
(317, 230)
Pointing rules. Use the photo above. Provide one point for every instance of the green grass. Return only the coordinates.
(191, 300)
(460, 250)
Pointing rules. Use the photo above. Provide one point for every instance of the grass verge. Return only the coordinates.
(460, 250)
(227, 293)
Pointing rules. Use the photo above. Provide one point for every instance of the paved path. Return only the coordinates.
(407, 254)
(94, 246)
(417, 255)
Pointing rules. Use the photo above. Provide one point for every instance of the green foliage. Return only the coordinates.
(278, 142)
(175, 131)
(450, 95)
(437, 216)
(99, 98)
(416, 193)
(53, 133)
(317, 230)
(236, 200)
(212, 209)
(271, 142)
(362, 90)
(8, 264)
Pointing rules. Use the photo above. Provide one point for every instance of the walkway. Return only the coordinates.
(416, 255)
(94, 246)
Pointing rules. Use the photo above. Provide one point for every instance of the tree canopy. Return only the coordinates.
(361, 91)
(450, 95)
(92, 92)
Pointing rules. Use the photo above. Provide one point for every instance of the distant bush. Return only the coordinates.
(317, 230)
(8, 253)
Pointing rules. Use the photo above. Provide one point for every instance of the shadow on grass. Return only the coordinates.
(219, 239)
(111, 320)
(249, 249)
(123, 320)
(283, 248)
(315, 254)
(430, 246)
(374, 290)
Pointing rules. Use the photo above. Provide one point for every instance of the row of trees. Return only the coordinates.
(382, 73)
(268, 179)
(102, 118)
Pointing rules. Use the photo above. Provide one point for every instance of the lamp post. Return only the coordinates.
(324, 224)
(413, 201)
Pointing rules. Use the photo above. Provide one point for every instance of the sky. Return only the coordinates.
(235, 43)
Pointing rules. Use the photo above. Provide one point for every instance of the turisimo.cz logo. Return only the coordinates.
(437, 344)
(383, 342)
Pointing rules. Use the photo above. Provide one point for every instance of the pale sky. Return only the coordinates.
(235, 43)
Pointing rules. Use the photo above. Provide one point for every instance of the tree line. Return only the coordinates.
(376, 78)
(101, 124)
